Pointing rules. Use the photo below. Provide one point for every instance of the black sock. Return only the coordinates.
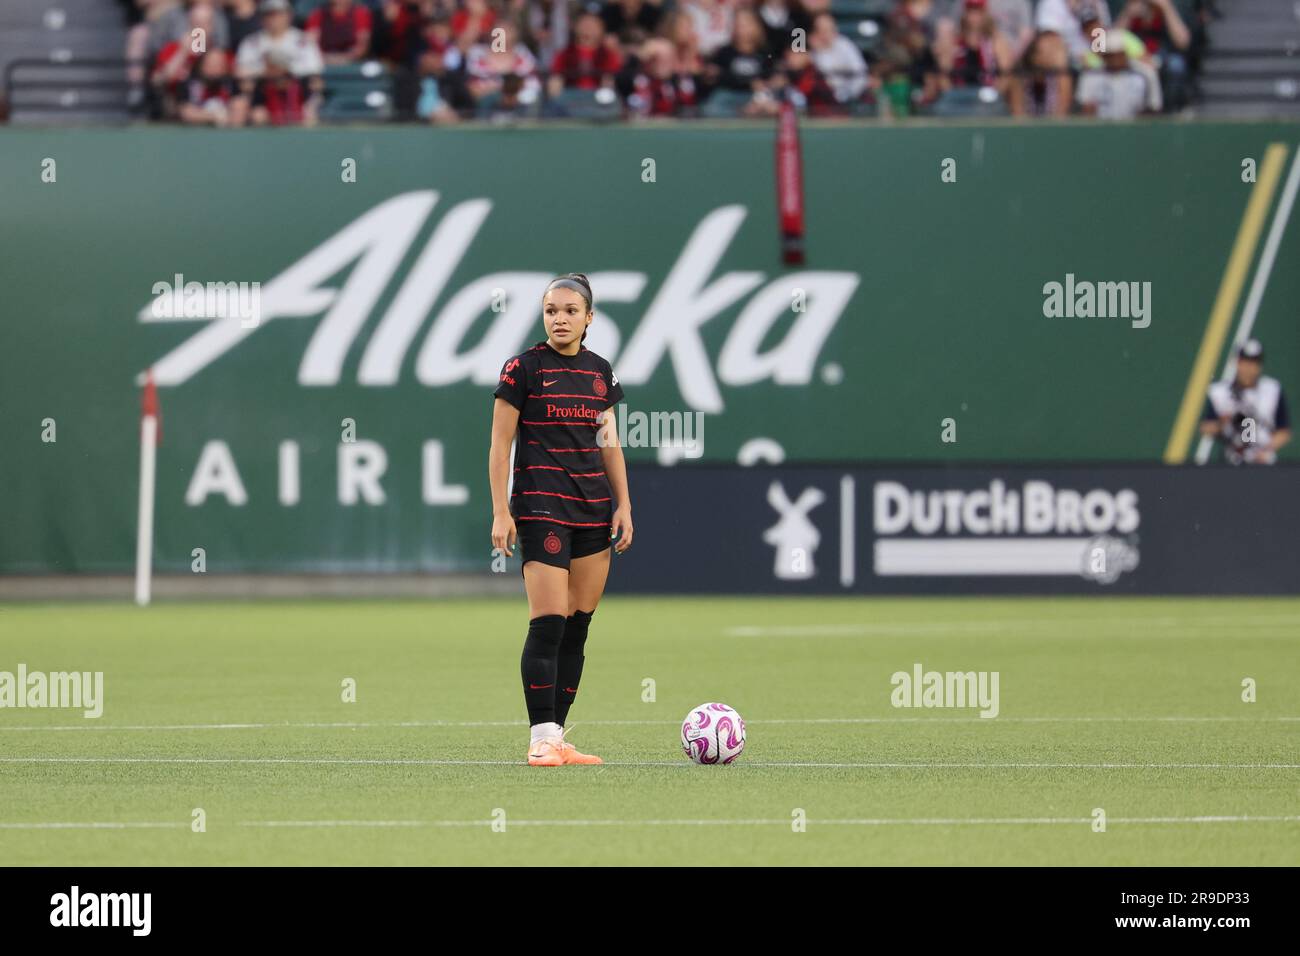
(569, 664)
(537, 666)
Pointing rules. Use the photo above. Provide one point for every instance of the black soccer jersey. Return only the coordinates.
(559, 475)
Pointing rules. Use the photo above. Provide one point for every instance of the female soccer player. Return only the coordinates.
(570, 499)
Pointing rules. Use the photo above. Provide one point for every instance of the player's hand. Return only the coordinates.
(503, 534)
(620, 529)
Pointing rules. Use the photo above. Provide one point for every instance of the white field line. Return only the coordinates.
(684, 764)
(1099, 624)
(103, 825)
(368, 725)
(784, 822)
(777, 821)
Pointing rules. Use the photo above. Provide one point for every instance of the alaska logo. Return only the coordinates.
(371, 248)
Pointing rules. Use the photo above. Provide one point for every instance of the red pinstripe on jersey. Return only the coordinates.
(556, 494)
(572, 524)
(565, 424)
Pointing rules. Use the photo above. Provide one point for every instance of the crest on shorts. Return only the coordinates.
(552, 543)
(598, 385)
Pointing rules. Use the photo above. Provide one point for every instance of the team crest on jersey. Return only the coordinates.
(552, 543)
(598, 384)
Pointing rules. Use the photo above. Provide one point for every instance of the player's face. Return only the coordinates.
(565, 316)
(1247, 371)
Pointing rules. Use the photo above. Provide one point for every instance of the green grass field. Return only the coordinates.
(1133, 706)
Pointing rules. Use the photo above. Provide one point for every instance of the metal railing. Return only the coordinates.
(72, 88)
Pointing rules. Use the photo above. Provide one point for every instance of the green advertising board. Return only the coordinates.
(392, 271)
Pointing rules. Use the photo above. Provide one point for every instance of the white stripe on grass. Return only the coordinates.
(780, 821)
(355, 725)
(712, 822)
(685, 764)
(1098, 625)
(95, 826)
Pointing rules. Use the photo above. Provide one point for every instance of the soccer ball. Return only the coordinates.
(713, 733)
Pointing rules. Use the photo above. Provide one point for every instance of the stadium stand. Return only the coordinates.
(1251, 68)
(444, 61)
(66, 59)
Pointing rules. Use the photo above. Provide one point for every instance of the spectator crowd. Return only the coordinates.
(276, 62)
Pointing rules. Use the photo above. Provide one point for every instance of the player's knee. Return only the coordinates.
(575, 631)
(545, 633)
(546, 609)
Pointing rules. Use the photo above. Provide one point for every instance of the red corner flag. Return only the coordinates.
(789, 184)
(149, 403)
(150, 432)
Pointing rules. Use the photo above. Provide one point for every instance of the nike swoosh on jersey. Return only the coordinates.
(550, 383)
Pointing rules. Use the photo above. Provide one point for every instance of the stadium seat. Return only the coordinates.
(876, 9)
(302, 9)
(584, 104)
(969, 101)
(488, 108)
(865, 32)
(66, 49)
(357, 92)
(863, 108)
(724, 104)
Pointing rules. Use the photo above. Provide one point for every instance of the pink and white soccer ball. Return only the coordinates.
(713, 733)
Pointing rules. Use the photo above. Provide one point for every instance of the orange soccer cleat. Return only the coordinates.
(547, 752)
(571, 753)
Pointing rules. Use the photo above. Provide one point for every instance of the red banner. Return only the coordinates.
(789, 184)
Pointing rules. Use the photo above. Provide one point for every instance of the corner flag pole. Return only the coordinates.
(149, 437)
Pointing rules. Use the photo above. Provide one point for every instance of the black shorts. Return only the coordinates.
(557, 544)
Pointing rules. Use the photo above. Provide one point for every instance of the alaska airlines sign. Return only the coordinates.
(373, 246)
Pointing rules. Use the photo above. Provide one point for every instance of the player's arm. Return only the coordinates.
(611, 456)
(1282, 434)
(505, 421)
(1212, 423)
